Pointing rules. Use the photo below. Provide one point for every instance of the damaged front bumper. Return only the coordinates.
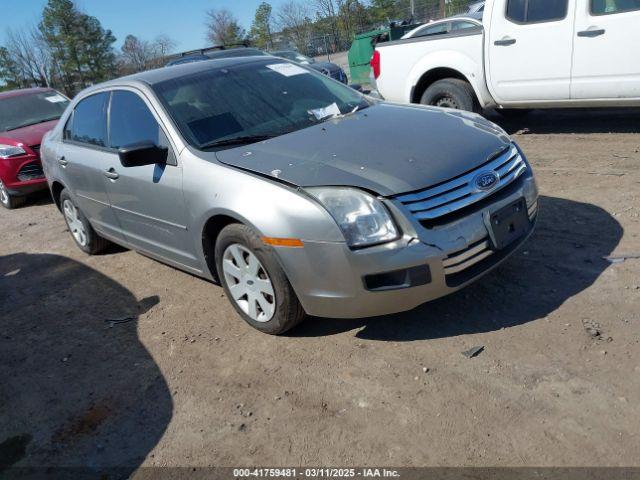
(334, 281)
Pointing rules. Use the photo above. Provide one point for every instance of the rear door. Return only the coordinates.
(606, 62)
(147, 200)
(84, 158)
(529, 50)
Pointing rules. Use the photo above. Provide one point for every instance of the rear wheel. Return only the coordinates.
(254, 282)
(81, 230)
(9, 201)
(451, 93)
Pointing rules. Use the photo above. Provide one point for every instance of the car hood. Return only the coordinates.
(386, 148)
(30, 135)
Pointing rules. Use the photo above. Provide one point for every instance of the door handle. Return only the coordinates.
(591, 33)
(111, 174)
(62, 161)
(505, 42)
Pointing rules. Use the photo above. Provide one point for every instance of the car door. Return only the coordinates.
(529, 50)
(606, 63)
(84, 158)
(147, 200)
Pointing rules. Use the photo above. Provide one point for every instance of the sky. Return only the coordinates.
(182, 20)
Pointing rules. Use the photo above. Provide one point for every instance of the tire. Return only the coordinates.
(451, 93)
(271, 310)
(9, 201)
(81, 230)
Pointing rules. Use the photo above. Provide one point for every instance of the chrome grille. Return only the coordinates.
(463, 259)
(432, 203)
(30, 171)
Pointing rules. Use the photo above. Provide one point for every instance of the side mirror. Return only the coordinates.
(140, 154)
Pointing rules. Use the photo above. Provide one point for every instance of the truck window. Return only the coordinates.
(608, 7)
(536, 11)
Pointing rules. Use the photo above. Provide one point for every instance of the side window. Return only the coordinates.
(536, 11)
(67, 127)
(462, 25)
(89, 124)
(130, 121)
(608, 7)
(433, 30)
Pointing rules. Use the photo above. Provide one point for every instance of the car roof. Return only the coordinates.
(158, 75)
(24, 91)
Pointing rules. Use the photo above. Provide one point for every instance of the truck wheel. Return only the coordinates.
(451, 93)
(81, 230)
(9, 201)
(254, 282)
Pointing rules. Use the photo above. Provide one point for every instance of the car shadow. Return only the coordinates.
(78, 387)
(563, 257)
(571, 120)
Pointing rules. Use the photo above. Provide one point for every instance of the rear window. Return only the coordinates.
(536, 11)
(30, 109)
(609, 7)
(269, 97)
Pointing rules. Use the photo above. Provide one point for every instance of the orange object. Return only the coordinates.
(283, 242)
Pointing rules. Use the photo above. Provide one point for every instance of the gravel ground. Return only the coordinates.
(120, 360)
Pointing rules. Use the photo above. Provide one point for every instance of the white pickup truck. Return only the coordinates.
(523, 54)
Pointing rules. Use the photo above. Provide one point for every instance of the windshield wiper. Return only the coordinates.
(242, 140)
(32, 123)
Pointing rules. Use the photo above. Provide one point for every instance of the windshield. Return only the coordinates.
(252, 101)
(295, 56)
(29, 109)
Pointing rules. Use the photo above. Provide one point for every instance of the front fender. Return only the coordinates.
(453, 60)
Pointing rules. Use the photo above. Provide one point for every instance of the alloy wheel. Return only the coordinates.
(4, 195)
(76, 227)
(248, 283)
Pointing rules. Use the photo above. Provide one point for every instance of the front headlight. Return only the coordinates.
(363, 219)
(7, 151)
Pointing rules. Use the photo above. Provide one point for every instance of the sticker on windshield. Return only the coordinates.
(287, 69)
(328, 111)
(57, 98)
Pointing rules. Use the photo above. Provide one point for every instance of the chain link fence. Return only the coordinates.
(317, 42)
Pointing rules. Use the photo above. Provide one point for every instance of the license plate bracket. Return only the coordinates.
(508, 224)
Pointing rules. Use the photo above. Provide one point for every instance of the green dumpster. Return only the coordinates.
(362, 49)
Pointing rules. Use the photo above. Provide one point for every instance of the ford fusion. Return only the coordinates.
(296, 193)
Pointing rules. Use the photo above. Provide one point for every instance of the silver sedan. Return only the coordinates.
(299, 195)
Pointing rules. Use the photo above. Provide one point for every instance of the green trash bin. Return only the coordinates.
(361, 50)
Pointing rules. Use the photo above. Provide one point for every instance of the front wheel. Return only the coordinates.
(451, 93)
(9, 201)
(81, 230)
(254, 282)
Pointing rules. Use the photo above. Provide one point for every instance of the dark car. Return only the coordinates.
(327, 68)
(211, 54)
(25, 116)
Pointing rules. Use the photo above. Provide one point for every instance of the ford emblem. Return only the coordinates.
(486, 181)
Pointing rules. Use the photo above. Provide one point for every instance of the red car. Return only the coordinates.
(25, 116)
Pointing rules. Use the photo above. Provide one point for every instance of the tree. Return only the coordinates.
(80, 48)
(223, 28)
(138, 55)
(9, 71)
(260, 32)
(293, 19)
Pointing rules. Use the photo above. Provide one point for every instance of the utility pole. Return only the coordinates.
(413, 8)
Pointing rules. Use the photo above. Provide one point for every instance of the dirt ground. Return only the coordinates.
(186, 383)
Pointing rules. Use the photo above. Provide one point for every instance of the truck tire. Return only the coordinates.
(451, 93)
(262, 295)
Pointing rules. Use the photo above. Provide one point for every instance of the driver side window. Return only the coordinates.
(131, 122)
